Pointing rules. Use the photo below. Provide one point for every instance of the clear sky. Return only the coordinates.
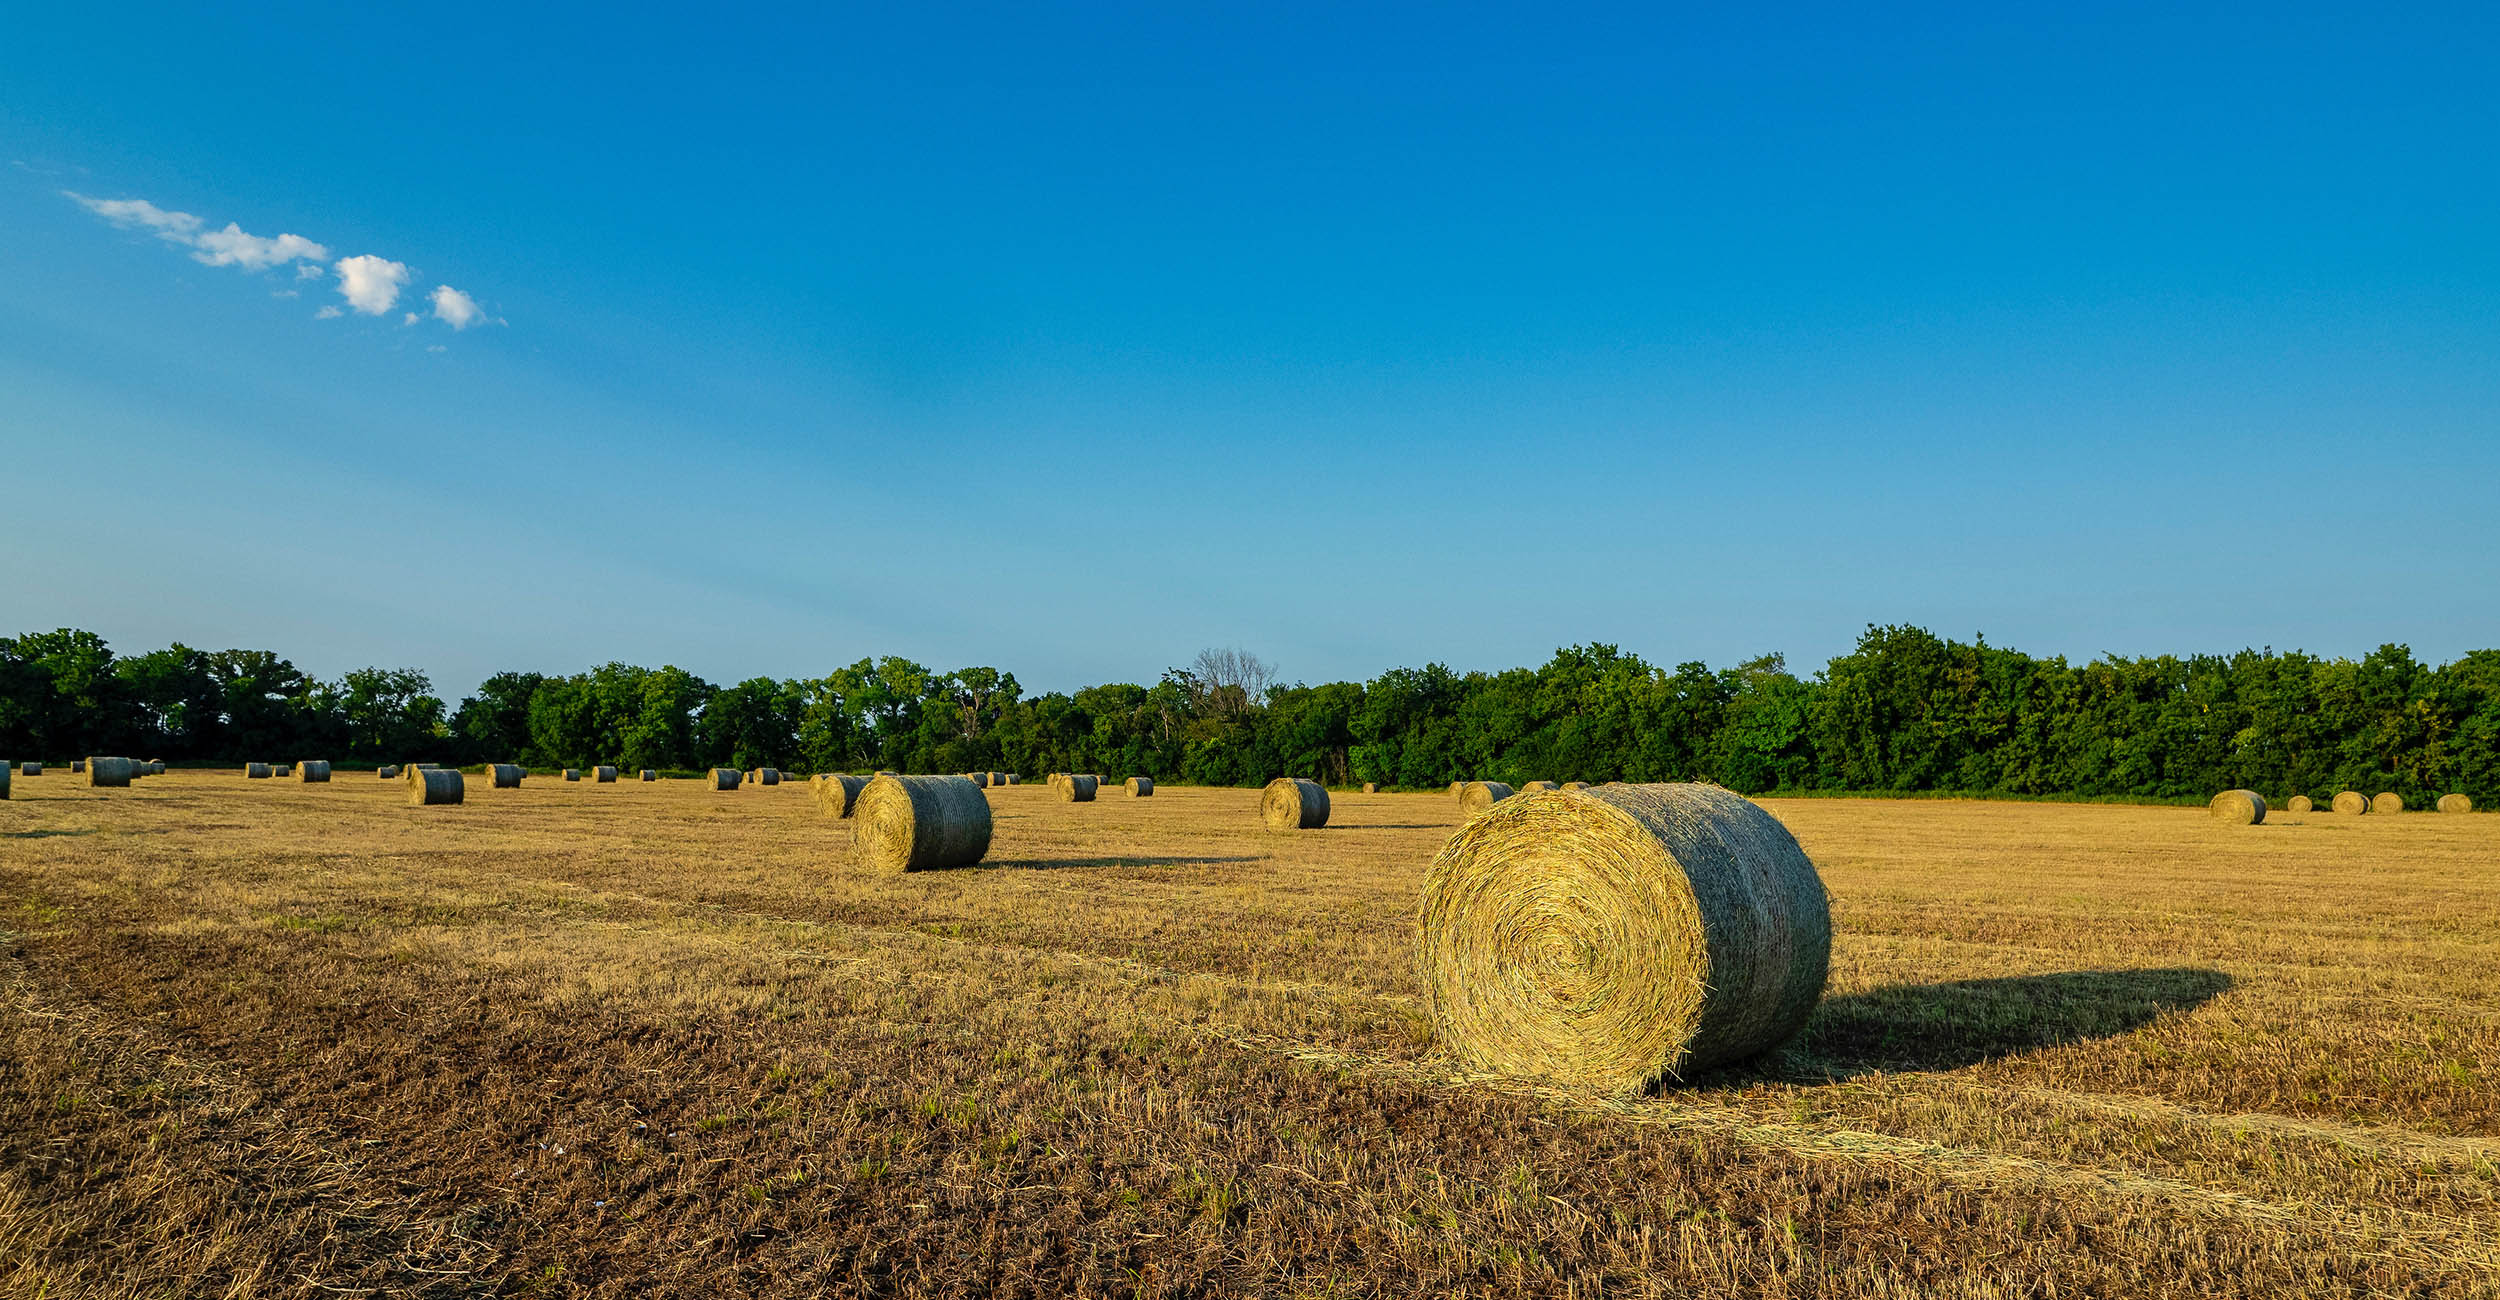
(1073, 340)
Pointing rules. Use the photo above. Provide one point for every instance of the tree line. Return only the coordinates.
(1904, 711)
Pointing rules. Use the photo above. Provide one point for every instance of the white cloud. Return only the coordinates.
(454, 308)
(371, 284)
(309, 271)
(232, 247)
(409, 319)
(139, 214)
(328, 313)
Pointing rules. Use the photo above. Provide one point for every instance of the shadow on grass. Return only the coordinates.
(41, 835)
(1907, 1028)
(1072, 864)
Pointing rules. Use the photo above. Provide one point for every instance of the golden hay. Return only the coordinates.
(2387, 801)
(727, 778)
(1534, 786)
(1456, 788)
(604, 774)
(837, 794)
(507, 776)
(1293, 804)
(2299, 803)
(111, 772)
(920, 823)
(1575, 785)
(2351, 803)
(1371, 787)
(435, 785)
(2456, 803)
(1139, 787)
(1619, 937)
(1078, 787)
(1477, 796)
(256, 771)
(2238, 807)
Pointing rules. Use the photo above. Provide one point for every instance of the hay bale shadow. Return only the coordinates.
(1074, 864)
(1908, 1028)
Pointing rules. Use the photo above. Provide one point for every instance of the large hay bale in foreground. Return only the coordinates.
(837, 794)
(2299, 803)
(2351, 803)
(1620, 937)
(920, 823)
(1535, 786)
(2456, 803)
(604, 774)
(1076, 787)
(436, 785)
(1139, 787)
(256, 771)
(109, 772)
(727, 778)
(388, 771)
(1292, 804)
(2238, 807)
(1478, 796)
(507, 776)
(313, 771)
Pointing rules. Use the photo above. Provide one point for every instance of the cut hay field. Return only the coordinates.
(267, 1039)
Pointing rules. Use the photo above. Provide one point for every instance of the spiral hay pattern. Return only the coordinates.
(435, 785)
(1293, 804)
(1078, 787)
(2299, 803)
(1139, 787)
(2458, 803)
(1620, 937)
(2351, 803)
(1478, 797)
(2238, 807)
(2387, 801)
(920, 823)
(837, 795)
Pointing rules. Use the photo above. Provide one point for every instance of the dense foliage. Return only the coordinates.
(1904, 711)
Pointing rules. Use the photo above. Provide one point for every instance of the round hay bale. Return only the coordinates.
(2238, 807)
(768, 776)
(604, 774)
(920, 823)
(5, 769)
(256, 771)
(507, 776)
(1371, 787)
(1078, 787)
(282, 769)
(838, 795)
(435, 785)
(1479, 796)
(2387, 801)
(727, 778)
(1139, 787)
(77, 766)
(312, 771)
(572, 774)
(1620, 937)
(649, 775)
(30, 769)
(998, 778)
(1014, 779)
(109, 772)
(2299, 803)
(156, 767)
(2351, 803)
(1534, 786)
(2456, 803)
(388, 771)
(1457, 788)
(1292, 804)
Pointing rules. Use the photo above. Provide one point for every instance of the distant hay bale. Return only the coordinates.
(2238, 807)
(282, 769)
(507, 776)
(1292, 804)
(1457, 788)
(2351, 803)
(1078, 787)
(388, 771)
(768, 776)
(2387, 801)
(1622, 937)
(980, 780)
(650, 775)
(77, 766)
(1477, 797)
(30, 769)
(604, 774)
(2458, 803)
(1139, 787)
(109, 772)
(313, 771)
(435, 785)
(998, 778)
(1534, 786)
(837, 794)
(156, 767)
(2299, 803)
(1371, 787)
(727, 778)
(572, 774)
(920, 823)
(1014, 779)
(256, 771)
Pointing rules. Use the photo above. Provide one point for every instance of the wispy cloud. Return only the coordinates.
(369, 283)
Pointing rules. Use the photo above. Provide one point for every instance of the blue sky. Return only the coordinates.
(1073, 340)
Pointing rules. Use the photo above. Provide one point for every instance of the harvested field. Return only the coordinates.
(273, 1040)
